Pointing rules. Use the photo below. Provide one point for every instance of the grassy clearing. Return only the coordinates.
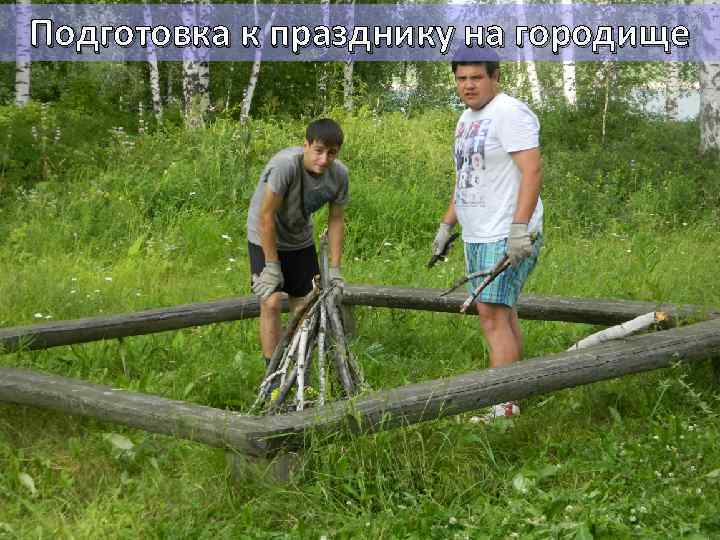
(162, 222)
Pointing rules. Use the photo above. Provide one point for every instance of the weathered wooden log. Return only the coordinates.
(377, 411)
(546, 308)
(177, 418)
(549, 308)
(43, 336)
(438, 398)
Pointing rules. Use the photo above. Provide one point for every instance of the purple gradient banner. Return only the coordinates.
(302, 32)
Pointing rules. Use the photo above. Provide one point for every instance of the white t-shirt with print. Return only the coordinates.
(487, 179)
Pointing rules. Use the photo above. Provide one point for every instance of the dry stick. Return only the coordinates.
(282, 391)
(281, 371)
(341, 363)
(289, 331)
(289, 379)
(302, 349)
(321, 353)
(498, 269)
(312, 342)
(356, 370)
(288, 356)
(621, 330)
(307, 310)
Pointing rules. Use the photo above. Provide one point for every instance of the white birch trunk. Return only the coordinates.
(519, 79)
(568, 64)
(255, 71)
(672, 91)
(196, 71)
(22, 52)
(709, 106)
(250, 90)
(348, 86)
(535, 89)
(154, 72)
(323, 68)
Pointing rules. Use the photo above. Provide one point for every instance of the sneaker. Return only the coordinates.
(501, 410)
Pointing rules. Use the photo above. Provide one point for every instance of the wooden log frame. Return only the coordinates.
(549, 308)
(377, 411)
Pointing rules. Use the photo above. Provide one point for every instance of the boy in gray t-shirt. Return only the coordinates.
(295, 183)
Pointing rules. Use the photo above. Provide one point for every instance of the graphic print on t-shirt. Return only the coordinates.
(470, 162)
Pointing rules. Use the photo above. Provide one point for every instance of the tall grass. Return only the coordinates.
(161, 221)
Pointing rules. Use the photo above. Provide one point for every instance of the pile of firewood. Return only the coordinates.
(318, 325)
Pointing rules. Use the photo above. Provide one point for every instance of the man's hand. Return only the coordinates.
(335, 277)
(441, 238)
(519, 245)
(269, 280)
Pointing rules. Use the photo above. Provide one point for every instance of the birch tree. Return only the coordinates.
(22, 52)
(322, 67)
(568, 64)
(672, 90)
(709, 74)
(348, 68)
(196, 69)
(255, 71)
(153, 65)
(535, 89)
(709, 106)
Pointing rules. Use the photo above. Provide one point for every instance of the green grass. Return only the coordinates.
(162, 223)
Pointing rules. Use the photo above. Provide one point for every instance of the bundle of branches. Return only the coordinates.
(315, 326)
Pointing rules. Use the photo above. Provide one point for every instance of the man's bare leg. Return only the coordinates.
(517, 330)
(502, 331)
(270, 324)
(270, 328)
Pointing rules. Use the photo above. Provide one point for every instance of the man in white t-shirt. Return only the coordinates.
(496, 199)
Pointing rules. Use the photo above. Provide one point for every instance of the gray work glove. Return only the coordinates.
(519, 244)
(268, 281)
(335, 277)
(441, 238)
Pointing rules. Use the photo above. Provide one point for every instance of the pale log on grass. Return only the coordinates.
(619, 331)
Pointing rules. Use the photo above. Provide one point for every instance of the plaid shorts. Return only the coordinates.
(506, 288)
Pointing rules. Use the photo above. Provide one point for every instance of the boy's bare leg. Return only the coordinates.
(270, 322)
(502, 331)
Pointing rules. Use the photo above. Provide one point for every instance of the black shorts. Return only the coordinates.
(298, 267)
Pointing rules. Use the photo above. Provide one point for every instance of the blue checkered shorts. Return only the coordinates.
(506, 288)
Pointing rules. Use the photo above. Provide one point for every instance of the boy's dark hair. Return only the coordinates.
(326, 131)
(467, 56)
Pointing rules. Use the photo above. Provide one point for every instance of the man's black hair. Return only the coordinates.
(468, 56)
(326, 131)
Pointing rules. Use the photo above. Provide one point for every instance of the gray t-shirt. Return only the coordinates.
(302, 194)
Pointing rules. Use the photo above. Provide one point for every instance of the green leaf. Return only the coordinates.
(188, 389)
(713, 474)
(136, 246)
